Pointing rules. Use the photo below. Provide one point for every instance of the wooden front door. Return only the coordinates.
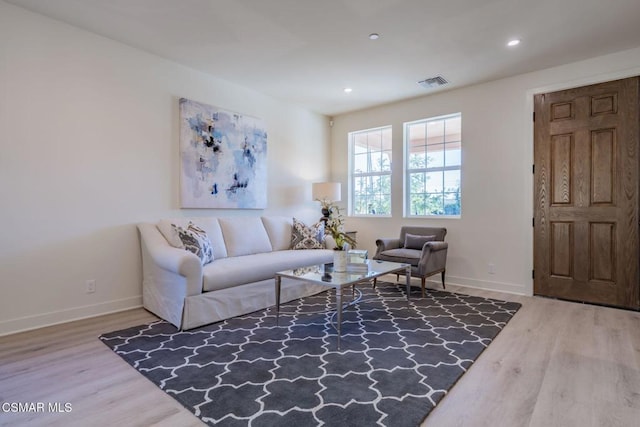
(586, 194)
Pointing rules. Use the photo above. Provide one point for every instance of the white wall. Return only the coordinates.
(89, 147)
(497, 182)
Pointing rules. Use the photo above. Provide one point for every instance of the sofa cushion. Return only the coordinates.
(409, 256)
(244, 236)
(307, 237)
(279, 231)
(233, 271)
(194, 239)
(209, 224)
(416, 241)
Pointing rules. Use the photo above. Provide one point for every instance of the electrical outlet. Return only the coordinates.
(492, 269)
(90, 286)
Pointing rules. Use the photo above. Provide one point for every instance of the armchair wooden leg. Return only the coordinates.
(443, 287)
(397, 277)
(375, 282)
(423, 280)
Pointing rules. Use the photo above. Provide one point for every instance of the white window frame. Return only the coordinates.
(406, 196)
(353, 175)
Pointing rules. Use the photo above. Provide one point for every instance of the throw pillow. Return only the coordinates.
(195, 239)
(415, 241)
(168, 230)
(305, 237)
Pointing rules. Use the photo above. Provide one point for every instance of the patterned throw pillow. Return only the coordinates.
(305, 237)
(195, 240)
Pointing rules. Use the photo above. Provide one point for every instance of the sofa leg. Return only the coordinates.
(375, 282)
(423, 280)
(443, 287)
(397, 277)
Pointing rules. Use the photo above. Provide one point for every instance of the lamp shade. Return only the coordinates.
(330, 191)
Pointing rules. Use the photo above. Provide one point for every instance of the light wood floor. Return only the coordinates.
(555, 364)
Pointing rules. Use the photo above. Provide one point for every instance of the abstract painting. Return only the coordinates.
(223, 158)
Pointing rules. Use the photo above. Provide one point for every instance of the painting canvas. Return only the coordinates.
(223, 158)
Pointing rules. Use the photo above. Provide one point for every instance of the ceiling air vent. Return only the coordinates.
(433, 82)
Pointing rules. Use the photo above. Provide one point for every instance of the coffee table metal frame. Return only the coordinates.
(324, 275)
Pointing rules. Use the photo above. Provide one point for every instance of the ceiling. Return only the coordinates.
(307, 51)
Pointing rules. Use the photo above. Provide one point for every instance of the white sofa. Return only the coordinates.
(248, 251)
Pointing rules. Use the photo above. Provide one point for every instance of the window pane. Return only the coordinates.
(360, 143)
(375, 184)
(453, 155)
(359, 149)
(360, 185)
(386, 139)
(380, 161)
(434, 204)
(374, 139)
(418, 205)
(434, 182)
(452, 180)
(385, 184)
(360, 163)
(386, 161)
(435, 156)
(453, 128)
(386, 204)
(366, 186)
(380, 205)
(452, 203)
(435, 132)
(417, 133)
(417, 160)
(374, 166)
(381, 188)
(417, 182)
(417, 146)
(359, 205)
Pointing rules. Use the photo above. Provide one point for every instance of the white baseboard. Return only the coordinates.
(480, 284)
(28, 323)
(435, 282)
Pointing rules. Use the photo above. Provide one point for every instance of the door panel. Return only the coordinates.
(562, 247)
(602, 256)
(586, 243)
(561, 167)
(603, 154)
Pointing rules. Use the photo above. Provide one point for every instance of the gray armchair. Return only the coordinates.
(422, 247)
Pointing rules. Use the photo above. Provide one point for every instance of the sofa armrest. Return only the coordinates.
(434, 246)
(385, 245)
(176, 260)
(173, 260)
(433, 258)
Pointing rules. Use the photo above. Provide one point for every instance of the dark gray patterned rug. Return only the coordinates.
(396, 360)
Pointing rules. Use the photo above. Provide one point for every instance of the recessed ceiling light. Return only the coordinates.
(347, 90)
(374, 36)
(514, 42)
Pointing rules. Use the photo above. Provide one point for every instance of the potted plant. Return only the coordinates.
(335, 228)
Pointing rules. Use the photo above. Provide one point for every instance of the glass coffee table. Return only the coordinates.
(324, 275)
